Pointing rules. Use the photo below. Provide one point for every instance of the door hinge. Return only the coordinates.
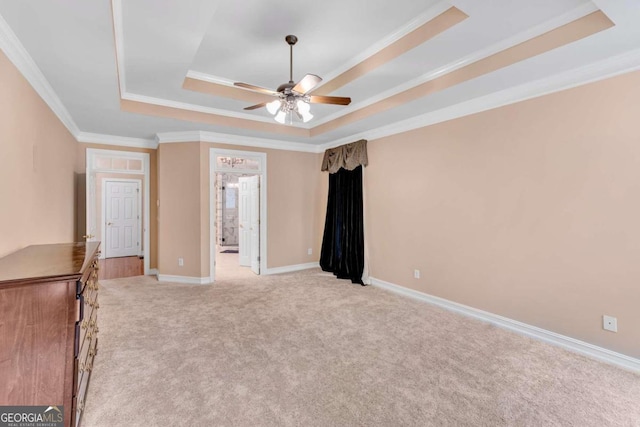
(258, 257)
(137, 190)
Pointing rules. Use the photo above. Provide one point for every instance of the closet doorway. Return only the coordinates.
(238, 213)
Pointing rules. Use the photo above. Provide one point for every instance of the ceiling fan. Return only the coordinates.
(293, 97)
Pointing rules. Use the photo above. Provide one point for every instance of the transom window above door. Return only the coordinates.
(228, 162)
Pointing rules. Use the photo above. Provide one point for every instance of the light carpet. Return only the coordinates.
(306, 349)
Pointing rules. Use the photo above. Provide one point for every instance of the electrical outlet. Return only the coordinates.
(309, 251)
(609, 323)
(416, 274)
(180, 262)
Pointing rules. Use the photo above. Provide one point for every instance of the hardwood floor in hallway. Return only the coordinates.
(117, 268)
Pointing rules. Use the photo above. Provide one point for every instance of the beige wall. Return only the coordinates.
(292, 207)
(184, 188)
(530, 211)
(179, 218)
(37, 155)
(80, 168)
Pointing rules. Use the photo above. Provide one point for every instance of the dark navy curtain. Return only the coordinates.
(343, 241)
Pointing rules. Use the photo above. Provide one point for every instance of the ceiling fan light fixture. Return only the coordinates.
(303, 107)
(306, 117)
(274, 106)
(293, 97)
(280, 117)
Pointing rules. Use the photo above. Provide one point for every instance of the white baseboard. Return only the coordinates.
(152, 272)
(563, 341)
(184, 279)
(291, 268)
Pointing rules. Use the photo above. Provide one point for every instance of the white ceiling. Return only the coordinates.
(75, 43)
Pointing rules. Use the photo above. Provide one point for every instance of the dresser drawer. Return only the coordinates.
(90, 302)
(84, 366)
(86, 338)
(88, 328)
(80, 398)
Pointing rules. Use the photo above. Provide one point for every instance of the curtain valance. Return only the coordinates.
(348, 156)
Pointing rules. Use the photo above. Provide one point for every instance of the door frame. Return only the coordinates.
(104, 210)
(244, 244)
(213, 170)
(92, 169)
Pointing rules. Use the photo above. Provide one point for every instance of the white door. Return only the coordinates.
(121, 219)
(254, 209)
(244, 221)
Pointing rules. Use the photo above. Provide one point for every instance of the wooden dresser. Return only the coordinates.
(49, 326)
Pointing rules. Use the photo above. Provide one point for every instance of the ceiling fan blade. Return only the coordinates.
(254, 107)
(256, 88)
(337, 100)
(307, 83)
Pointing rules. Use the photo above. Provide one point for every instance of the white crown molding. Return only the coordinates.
(389, 39)
(384, 42)
(201, 109)
(521, 37)
(189, 280)
(601, 70)
(18, 55)
(121, 141)
(223, 138)
(572, 344)
(118, 31)
(172, 137)
(440, 7)
(627, 62)
(210, 78)
(118, 28)
(291, 268)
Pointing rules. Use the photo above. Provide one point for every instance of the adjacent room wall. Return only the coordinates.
(530, 211)
(37, 156)
(292, 207)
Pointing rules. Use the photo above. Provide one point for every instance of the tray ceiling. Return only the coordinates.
(136, 69)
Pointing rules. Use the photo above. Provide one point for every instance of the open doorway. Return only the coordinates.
(237, 213)
(238, 224)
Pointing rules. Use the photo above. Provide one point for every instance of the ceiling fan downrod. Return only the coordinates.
(291, 40)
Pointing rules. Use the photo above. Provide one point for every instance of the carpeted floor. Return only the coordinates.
(305, 349)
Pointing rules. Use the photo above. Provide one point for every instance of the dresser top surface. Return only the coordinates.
(46, 262)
